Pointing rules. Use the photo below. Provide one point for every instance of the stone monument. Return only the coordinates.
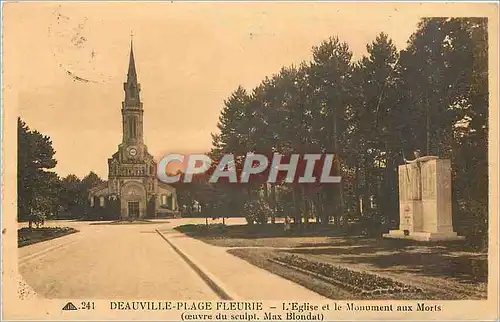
(425, 200)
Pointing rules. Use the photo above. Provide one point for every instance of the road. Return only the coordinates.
(111, 261)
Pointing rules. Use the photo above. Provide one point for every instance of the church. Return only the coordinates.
(133, 190)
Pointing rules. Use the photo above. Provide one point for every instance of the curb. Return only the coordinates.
(208, 278)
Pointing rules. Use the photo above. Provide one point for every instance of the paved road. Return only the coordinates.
(109, 262)
(135, 262)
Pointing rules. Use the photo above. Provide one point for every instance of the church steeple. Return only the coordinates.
(132, 112)
(131, 64)
(132, 87)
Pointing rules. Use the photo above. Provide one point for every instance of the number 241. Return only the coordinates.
(88, 305)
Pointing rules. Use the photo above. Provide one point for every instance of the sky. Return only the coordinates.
(66, 63)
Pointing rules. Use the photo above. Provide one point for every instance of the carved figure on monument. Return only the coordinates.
(414, 176)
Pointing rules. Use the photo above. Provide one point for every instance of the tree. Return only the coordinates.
(373, 140)
(74, 193)
(331, 74)
(444, 74)
(70, 194)
(237, 127)
(37, 187)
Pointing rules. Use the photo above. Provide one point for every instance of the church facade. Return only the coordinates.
(132, 190)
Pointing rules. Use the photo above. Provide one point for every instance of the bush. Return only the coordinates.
(473, 218)
(38, 218)
(375, 224)
(286, 208)
(257, 211)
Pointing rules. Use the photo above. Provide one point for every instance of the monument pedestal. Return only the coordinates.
(425, 202)
(423, 236)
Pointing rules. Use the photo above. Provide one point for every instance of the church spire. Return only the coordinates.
(132, 106)
(132, 87)
(131, 64)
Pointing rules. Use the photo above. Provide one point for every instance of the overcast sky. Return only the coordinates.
(189, 58)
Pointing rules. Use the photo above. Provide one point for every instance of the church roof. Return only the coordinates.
(165, 186)
(98, 188)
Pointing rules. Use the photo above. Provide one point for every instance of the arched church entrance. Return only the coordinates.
(133, 201)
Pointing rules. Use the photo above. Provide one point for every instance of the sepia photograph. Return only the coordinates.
(246, 161)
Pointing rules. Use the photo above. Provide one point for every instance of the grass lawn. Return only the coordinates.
(445, 271)
(26, 236)
(259, 235)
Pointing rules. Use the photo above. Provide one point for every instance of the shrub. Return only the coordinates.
(257, 211)
(38, 218)
(473, 218)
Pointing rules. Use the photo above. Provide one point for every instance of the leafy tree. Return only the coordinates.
(331, 74)
(74, 194)
(257, 212)
(70, 196)
(372, 142)
(37, 187)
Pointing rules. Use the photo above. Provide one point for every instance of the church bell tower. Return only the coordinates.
(132, 190)
(132, 114)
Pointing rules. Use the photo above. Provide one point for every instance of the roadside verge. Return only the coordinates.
(212, 281)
